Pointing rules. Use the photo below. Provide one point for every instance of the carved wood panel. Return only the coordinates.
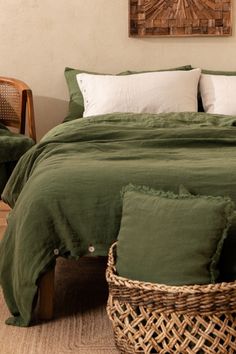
(180, 18)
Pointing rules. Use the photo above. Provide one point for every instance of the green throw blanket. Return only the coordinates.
(12, 147)
(65, 191)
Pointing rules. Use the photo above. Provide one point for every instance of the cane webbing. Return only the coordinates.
(10, 104)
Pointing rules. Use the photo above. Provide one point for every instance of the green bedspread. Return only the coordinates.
(65, 191)
(12, 147)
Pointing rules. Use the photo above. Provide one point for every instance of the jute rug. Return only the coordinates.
(80, 324)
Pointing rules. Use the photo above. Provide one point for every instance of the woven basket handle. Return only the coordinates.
(111, 269)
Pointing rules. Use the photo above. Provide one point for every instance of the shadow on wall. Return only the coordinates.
(49, 112)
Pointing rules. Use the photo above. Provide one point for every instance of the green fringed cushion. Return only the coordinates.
(171, 239)
(76, 102)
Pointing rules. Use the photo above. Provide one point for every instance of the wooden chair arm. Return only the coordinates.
(30, 114)
(16, 105)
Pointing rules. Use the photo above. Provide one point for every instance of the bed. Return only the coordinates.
(65, 191)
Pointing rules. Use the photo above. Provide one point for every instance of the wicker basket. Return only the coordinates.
(153, 318)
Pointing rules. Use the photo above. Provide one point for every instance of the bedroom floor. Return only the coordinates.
(80, 325)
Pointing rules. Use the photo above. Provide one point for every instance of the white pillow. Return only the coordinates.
(153, 92)
(218, 94)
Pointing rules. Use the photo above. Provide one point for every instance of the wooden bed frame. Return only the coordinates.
(46, 296)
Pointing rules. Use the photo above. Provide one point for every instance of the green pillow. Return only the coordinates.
(171, 239)
(219, 72)
(227, 261)
(183, 68)
(76, 103)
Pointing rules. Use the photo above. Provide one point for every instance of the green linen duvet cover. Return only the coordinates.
(65, 191)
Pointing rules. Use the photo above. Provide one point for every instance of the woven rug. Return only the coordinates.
(80, 325)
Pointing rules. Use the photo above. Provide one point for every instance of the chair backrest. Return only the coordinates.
(16, 106)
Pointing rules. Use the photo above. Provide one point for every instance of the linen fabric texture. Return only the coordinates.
(76, 101)
(171, 239)
(156, 92)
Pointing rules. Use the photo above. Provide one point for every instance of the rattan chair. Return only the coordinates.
(16, 106)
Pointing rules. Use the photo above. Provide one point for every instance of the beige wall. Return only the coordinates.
(40, 37)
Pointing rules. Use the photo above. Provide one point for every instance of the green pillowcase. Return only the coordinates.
(171, 239)
(227, 261)
(219, 72)
(183, 68)
(76, 103)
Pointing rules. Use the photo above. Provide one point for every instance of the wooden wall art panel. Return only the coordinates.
(180, 18)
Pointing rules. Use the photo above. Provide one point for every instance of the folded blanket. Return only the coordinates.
(12, 145)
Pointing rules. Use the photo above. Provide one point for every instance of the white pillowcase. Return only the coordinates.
(153, 92)
(218, 94)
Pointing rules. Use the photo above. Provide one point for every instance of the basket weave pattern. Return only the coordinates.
(9, 103)
(153, 318)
